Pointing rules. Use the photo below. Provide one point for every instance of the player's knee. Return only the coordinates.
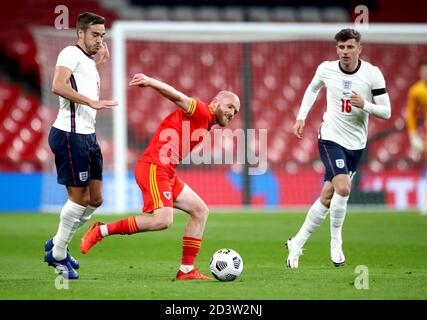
(205, 212)
(81, 201)
(96, 202)
(343, 191)
(201, 212)
(164, 223)
(79, 196)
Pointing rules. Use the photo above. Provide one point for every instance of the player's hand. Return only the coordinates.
(102, 55)
(299, 128)
(139, 79)
(103, 104)
(416, 142)
(356, 100)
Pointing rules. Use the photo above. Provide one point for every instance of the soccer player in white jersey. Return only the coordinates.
(352, 84)
(72, 138)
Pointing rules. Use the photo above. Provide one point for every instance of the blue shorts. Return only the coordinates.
(78, 157)
(337, 159)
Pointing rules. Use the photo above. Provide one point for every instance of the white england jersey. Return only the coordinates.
(74, 117)
(344, 124)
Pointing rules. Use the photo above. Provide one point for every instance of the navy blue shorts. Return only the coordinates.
(337, 159)
(78, 157)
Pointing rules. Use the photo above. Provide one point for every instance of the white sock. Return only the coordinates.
(338, 210)
(87, 215)
(316, 215)
(68, 223)
(104, 230)
(186, 268)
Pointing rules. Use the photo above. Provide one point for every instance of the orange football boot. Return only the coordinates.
(91, 237)
(192, 275)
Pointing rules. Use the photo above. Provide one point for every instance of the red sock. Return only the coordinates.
(190, 249)
(124, 226)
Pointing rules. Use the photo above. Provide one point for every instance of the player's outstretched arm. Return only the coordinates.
(164, 89)
(61, 87)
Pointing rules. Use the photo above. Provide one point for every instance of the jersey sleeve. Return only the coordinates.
(197, 109)
(382, 107)
(411, 111)
(68, 58)
(377, 82)
(311, 92)
(191, 108)
(317, 81)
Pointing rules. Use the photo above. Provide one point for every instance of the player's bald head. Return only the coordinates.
(225, 93)
(226, 105)
(229, 96)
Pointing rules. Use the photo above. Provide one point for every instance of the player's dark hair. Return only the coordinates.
(347, 34)
(86, 19)
(423, 63)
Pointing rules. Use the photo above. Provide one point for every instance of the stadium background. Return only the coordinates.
(390, 175)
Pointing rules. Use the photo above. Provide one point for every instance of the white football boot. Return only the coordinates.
(337, 256)
(294, 253)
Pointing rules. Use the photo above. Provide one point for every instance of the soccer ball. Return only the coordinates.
(226, 265)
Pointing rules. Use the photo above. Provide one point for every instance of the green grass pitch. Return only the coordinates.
(392, 245)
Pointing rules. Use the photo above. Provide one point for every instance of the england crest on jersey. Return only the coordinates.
(346, 86)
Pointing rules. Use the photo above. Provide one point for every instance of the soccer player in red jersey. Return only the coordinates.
(155, 172)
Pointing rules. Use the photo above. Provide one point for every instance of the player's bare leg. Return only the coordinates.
(338, 208)
(315, 217)
(160, 219)
(95, 200)
(191, 203)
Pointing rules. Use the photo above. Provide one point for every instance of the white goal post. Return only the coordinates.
(221, 32)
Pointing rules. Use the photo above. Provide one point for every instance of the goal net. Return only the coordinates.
(269, 66)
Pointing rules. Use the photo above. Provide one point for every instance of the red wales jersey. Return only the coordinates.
(173, 140)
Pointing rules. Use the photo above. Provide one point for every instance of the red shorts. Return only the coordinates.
(160, 185)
